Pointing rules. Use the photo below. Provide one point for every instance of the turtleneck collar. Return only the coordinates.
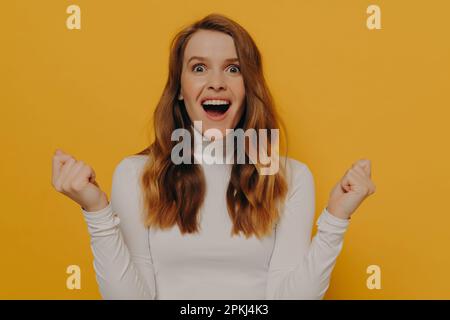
(209, 152)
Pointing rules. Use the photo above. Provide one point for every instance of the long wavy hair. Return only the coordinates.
(174, 193)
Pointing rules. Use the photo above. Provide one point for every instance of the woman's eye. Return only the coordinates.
(234, 68)
(197, 67)
(200, 67)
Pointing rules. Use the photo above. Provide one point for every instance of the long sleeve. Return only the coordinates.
(119, 240)
(300, 268)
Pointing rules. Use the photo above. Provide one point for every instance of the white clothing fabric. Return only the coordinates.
(134, 262)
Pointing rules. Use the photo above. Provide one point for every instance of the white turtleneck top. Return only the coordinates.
(135, 262)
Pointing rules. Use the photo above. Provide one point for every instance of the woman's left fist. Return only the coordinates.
(351, 190)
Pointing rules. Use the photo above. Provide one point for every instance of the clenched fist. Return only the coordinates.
(76, 180)
(351, 190)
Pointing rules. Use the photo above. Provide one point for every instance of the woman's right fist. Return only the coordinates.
(76, 180)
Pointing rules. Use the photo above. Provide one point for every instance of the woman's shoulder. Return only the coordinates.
(131, 162)
(136, 159)
(298, 174)
(294, 166)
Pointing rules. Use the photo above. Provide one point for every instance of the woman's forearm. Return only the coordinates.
(116, 274)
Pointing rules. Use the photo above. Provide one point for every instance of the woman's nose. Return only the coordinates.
(217, 81)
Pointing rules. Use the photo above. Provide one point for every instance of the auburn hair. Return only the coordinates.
(174, 193)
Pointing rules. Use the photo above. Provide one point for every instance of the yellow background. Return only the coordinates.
(345, 93)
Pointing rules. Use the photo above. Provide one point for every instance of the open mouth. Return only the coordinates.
(216, 110)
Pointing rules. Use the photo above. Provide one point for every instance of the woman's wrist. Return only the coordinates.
(338, 214)
(102, 204)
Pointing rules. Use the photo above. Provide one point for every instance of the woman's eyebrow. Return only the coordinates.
(206, 59)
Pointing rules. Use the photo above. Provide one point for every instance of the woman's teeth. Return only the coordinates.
(216, 107)
(216, 102)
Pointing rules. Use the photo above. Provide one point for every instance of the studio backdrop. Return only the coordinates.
(351, 79)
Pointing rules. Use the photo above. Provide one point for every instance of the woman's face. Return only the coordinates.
(211, 82)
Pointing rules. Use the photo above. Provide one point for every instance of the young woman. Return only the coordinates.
(209, 230)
